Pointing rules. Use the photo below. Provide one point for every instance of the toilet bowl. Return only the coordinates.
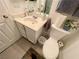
(50, 47)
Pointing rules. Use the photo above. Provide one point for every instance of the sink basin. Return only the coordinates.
(30, 20)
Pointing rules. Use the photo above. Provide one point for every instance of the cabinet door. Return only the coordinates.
(8, 30)
(1, 44)
(3, 38)
(21, 29)
(5, 29)
(31, 35)
(11, 28)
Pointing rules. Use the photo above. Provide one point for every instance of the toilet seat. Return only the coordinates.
(50, 49)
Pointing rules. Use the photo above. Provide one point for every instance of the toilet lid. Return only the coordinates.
(50, 49)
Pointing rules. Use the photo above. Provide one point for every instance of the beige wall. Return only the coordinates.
(71, 48)
(57, 18)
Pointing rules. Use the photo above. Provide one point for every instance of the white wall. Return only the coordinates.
(57, 18)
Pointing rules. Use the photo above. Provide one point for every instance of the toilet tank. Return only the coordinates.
(58, 33)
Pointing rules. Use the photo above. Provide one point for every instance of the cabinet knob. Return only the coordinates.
(5, 16)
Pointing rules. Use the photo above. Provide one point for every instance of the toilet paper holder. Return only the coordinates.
(60, 43)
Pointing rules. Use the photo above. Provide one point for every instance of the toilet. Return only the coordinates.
(50, 46)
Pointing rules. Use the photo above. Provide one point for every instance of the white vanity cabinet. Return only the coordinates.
(30, 27)
(33, 35)
(28, 33)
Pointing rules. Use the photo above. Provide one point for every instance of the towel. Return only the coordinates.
(67, 7)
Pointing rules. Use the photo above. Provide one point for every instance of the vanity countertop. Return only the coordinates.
(34, 25)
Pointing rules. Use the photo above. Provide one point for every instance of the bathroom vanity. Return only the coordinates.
(30, 17)
(30, 27)
(28, 22)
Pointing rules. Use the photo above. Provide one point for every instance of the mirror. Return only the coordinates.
(48, 5)
(43, 6)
